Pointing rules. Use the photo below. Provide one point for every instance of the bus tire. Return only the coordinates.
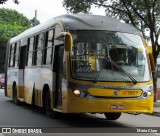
(49, 112)
(112, 116)
(16, 101)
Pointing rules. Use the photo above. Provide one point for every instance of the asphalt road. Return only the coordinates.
(25, 115)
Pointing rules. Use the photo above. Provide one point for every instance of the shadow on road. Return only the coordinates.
(64, 120)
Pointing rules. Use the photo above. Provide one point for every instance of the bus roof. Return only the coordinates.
(96, 22)
(81, 22)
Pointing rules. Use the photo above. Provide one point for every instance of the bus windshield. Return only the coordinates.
(108, 56)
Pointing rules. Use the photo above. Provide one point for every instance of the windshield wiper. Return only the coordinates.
(103, 65)
(123, 71)
(107, 60)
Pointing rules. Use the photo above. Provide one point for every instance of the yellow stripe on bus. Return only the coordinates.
(114, 92)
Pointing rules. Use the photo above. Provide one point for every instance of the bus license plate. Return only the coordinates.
(117, 107)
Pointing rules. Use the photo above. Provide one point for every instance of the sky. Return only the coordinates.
(46, 9)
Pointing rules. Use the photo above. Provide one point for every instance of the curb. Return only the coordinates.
(156, 111)
(157, 105)
(155, 114)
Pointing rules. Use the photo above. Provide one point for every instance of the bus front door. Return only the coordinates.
(58, 71)
(22, 61)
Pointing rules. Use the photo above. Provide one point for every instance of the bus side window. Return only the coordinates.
(14, 54)
(30, 51)
(17, 54)
(57, 41)
(10, 50)
(11, 62)
(38, 49)
(48, 49)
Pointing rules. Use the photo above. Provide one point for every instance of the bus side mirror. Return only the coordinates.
(68, 41)
(149, 48)
(151, 58)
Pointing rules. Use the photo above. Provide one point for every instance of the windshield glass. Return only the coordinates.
(91, 49)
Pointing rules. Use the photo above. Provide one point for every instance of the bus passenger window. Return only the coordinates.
(48, 48)
(30, 51)
(12, 55)
(9, 62)
(30, 58)
(16, 54)
(39, 49)
(58, 40)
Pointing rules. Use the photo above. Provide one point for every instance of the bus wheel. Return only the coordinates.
(16, 101)
(112, 116)
(49, 112)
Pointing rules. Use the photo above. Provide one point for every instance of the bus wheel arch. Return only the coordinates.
(112, 115)
(44, 92)
(47, 102)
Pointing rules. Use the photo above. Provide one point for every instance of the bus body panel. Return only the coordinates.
(20, 84)
(36, 78)
(12, 77)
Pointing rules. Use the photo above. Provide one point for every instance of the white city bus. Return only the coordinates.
(79, 64)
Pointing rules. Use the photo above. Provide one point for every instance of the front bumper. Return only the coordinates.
(76, 104)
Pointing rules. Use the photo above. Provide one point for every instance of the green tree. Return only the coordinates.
(11, 24)
(2, 56)
(4, 1)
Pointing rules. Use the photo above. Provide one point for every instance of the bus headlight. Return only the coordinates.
(77, 92)
(147, 94)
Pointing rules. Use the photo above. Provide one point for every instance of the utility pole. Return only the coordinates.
(35, 18)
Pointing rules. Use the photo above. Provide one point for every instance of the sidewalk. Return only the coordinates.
(157, 106)
(156, 110)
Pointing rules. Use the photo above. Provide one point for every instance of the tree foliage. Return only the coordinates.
(2, 56)
(141, 14)
(11, 24)
(4, 1)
